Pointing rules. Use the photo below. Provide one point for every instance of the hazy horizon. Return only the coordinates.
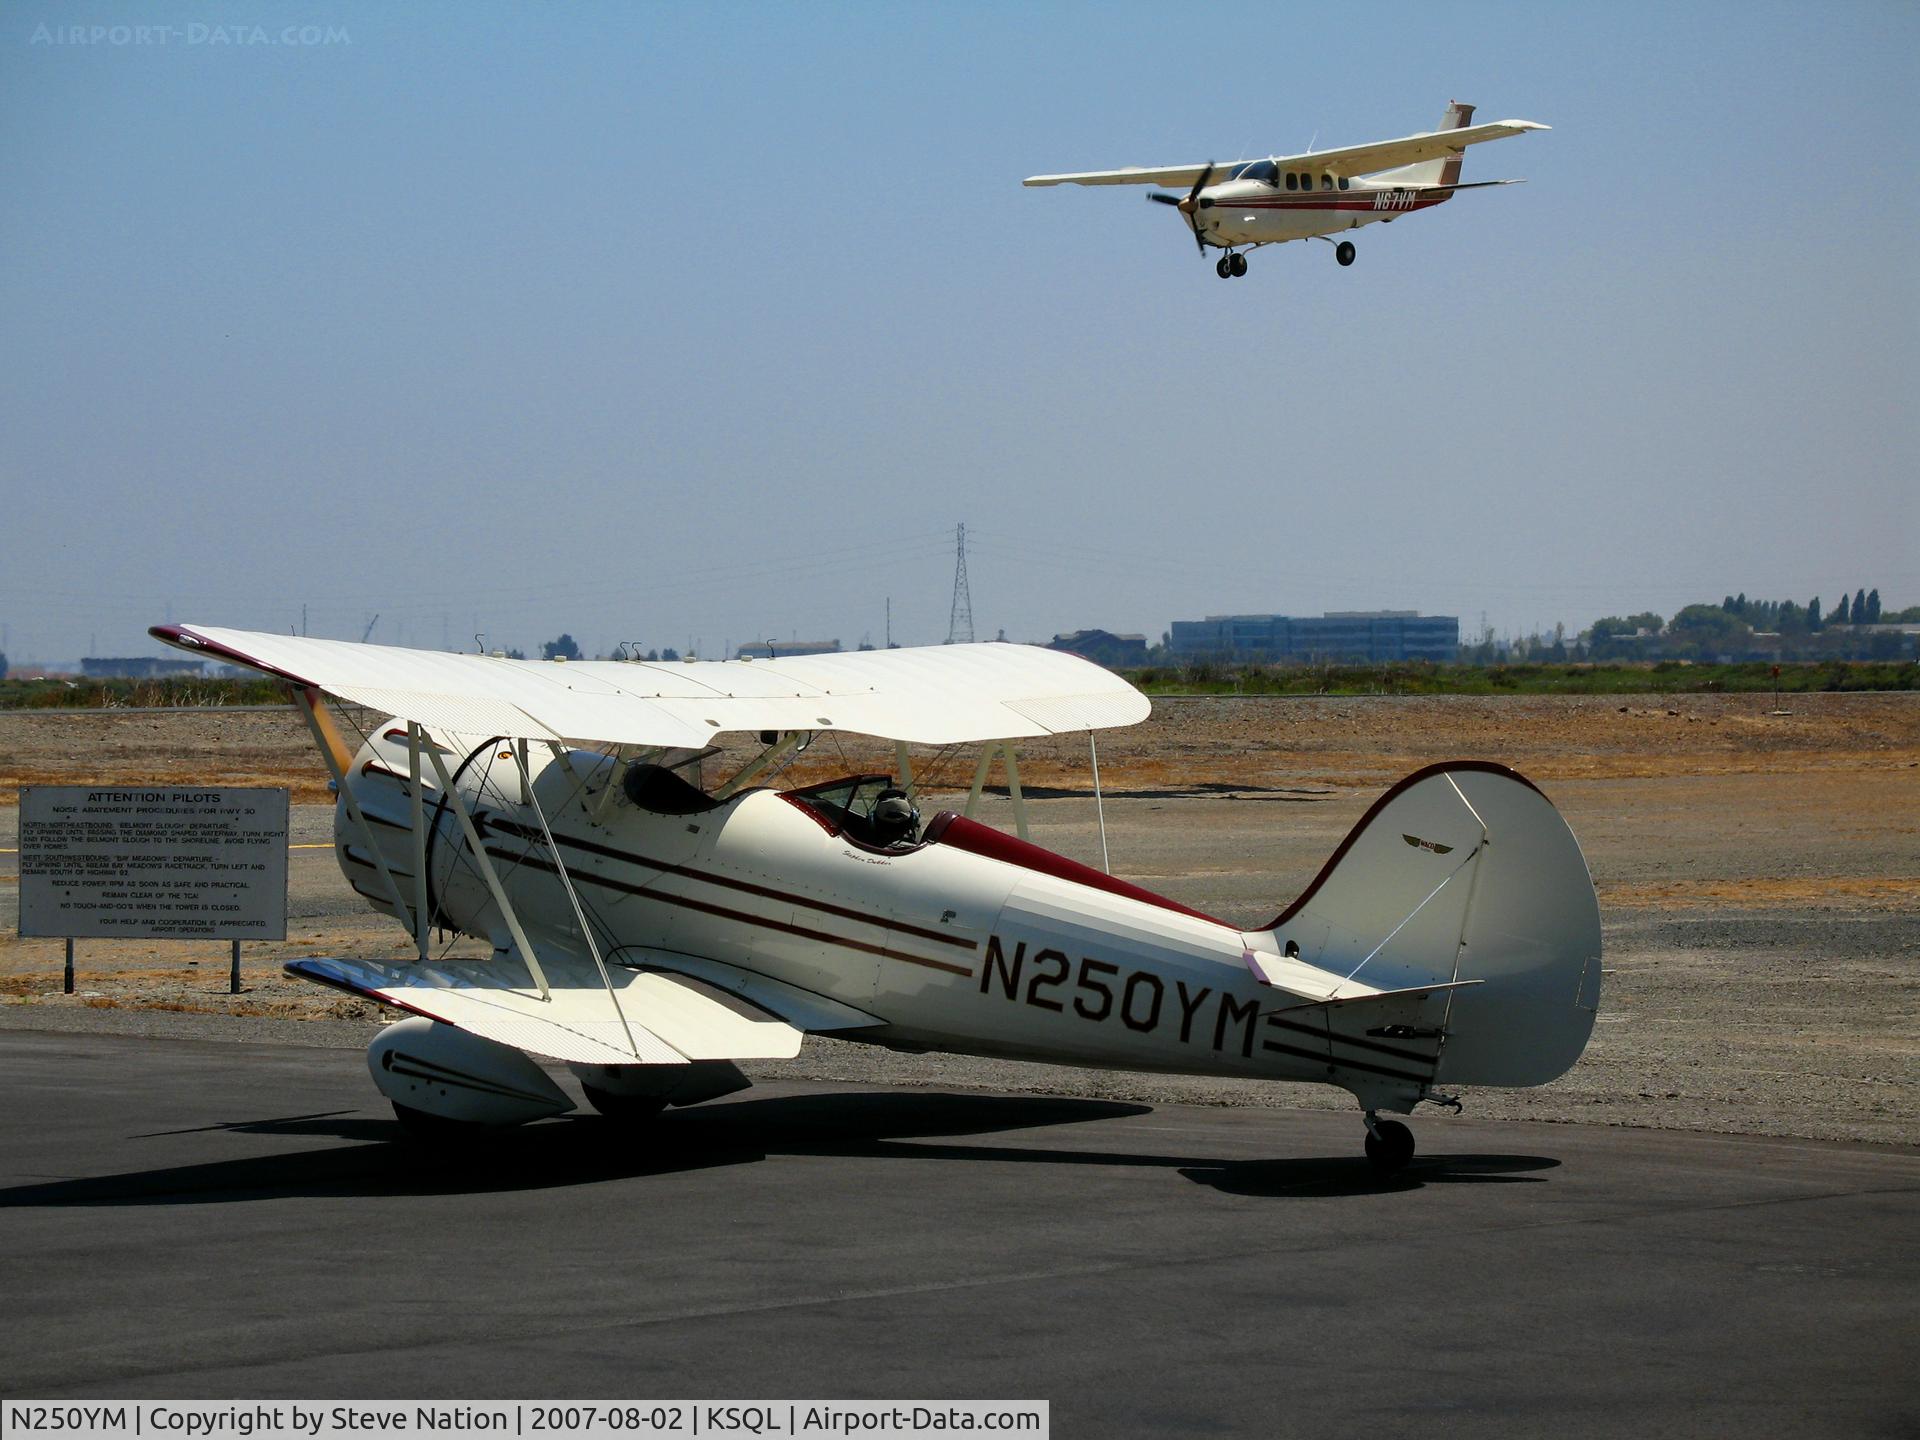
(688, 325)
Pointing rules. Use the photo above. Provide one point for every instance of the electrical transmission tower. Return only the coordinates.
(960, 618)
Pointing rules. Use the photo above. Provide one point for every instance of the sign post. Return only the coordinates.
(153, 863)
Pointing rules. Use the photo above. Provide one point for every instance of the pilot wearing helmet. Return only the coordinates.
(894, 819)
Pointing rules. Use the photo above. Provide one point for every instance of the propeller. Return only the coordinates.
(1189, 204)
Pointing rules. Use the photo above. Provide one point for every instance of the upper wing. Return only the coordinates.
(1180, 175)
(932, 695)
(1388, 154)
(1350, 161)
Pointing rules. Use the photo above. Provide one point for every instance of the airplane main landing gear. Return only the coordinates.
(1389, 1145)
(1344, 252)
(624, 1109)
(1231, 264)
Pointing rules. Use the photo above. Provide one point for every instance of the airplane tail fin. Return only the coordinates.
(1457, 920)
(1444, 171)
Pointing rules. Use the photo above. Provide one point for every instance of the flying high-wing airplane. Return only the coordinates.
(648, 932)
(1315, 195)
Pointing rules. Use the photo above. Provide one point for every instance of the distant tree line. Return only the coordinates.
(1741, 628)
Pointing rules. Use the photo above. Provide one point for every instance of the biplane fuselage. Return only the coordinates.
(967, 941)
(648, 930)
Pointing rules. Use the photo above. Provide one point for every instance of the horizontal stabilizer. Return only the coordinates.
(1313, 986)
(1378, 996)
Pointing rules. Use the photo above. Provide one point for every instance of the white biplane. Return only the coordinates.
(648, 933)
(1315, 195)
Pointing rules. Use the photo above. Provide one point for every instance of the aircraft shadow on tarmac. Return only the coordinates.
(892, 1125)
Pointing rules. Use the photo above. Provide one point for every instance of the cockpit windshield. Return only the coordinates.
(1259, 170)
(868, 809)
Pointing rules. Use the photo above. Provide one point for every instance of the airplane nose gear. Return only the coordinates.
(1389, 1145)
(1344, 252)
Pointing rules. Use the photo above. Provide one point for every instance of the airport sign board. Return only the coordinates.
(160, 862)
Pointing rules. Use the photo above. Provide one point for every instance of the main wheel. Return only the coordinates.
(1389, 1146)
(1344, 252)
(627, 1109)
(1238, 264)
(1224, 268)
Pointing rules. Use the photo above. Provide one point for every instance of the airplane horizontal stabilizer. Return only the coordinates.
(1375, 997)
(1312, 985)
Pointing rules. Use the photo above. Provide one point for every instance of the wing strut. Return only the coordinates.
(788, 744)
(1012, 767)
(573, 898)
(1013, 789)
(488, 874)
(1099, 806)
(422, 920)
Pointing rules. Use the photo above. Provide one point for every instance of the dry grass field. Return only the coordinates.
(1759, 878)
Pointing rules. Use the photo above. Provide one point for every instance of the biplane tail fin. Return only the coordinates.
(1459, 915)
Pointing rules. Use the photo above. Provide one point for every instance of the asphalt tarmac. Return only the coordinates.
(190, 1218)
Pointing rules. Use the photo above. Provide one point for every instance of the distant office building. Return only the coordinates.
(138, 667)
(1103, 647)
(774, 649)
(1362, 635)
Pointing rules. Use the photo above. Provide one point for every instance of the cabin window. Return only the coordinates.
(1343, 182)
(1293, 181)
(1326, 182)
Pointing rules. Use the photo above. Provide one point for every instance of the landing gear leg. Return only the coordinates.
(1344, 252)
(1389, 1145)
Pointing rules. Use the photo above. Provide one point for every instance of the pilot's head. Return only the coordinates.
(894, 817)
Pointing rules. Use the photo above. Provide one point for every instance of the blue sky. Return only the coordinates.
(696, 323)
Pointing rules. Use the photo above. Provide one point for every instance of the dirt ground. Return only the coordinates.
(1759, 879)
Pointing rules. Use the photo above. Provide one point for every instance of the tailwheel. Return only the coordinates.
(1389, 1145)
(623, 1109)
(1344, 252)
(1238, 264)
(1225, 268)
